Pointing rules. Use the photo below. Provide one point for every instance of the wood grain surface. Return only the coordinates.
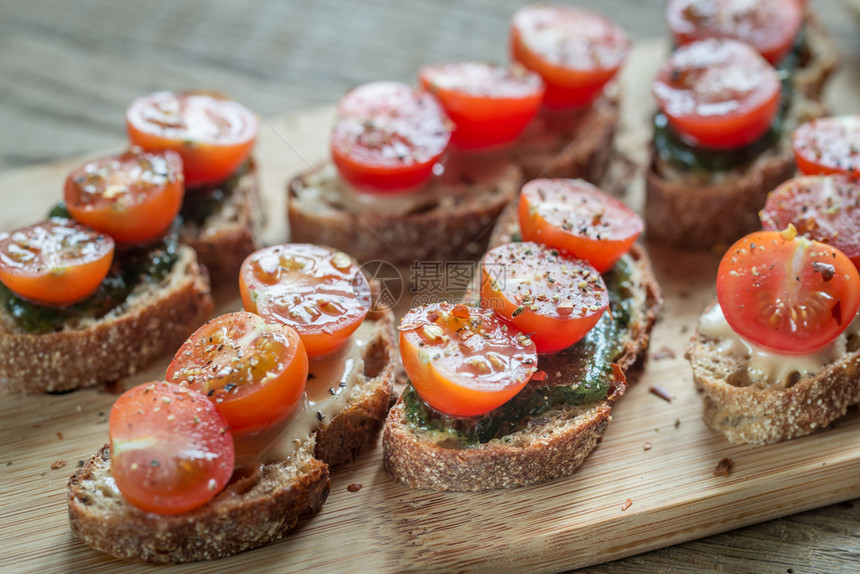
(67, 76)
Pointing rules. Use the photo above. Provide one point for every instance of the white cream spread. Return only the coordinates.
(765, 366)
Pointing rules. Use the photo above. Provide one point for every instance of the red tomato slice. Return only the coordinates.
(464, 361)
(824, 208)
(387, 137)
(254, 371)
(490, 105)
(554, 299)
(213, 134)
(789, 294)
(578, 218)
(769, 26)
(171, 450)
(575, 51)
(56, 262)
(318, 291)
(133, 196)
(718, 93)
(828, 145)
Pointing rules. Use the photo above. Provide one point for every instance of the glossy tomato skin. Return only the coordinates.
(787, 293)
(821, 207)
(464, 361)
(828, 145)
(387, 137)
(171, 450)
(213, 134)
(133, 196)
(254, 371)
(318, 291)
(579, 219)
(718, 93)
(554, 299)
(489, 105)
(575, 51)
(770, 26)
(56, 262)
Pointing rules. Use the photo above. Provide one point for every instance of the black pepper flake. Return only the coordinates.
(311, 376)
(154, 462)
(210, 393)
(320, 416)
(230, 386)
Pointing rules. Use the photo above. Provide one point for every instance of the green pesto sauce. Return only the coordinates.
(688, 158)
(586, 366)
(201, 203)
(130, 268)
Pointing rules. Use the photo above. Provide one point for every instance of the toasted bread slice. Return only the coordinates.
(230, 232)
(551, 445)
(251, 512)
(571, 145)
(819, 59)
(766, 410)
(154, 319)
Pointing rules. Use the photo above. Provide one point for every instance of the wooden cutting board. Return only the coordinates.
(650, 483)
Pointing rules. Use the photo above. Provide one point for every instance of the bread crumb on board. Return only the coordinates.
(661, 392)
(627, 504)
(58, 464)
(724, 467)
(354, 487)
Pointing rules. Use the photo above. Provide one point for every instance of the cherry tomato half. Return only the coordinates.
(575, 51)
(828, 145)
(554, 299)
(387, 137)
(718, 93)
(490, 105)
(254, 371)
(213, 134)
(823, 207)
(56, 262)
(770, 26)
(787, 293)
(464, 361)
(318, 291)
(132, 196)
(171, 450)
(578, 218)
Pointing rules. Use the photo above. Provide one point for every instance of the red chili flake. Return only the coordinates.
(354, 487)
(539, 376)
(724, 467)
(646, 446)
(60, 435)
(661, 392)
(663, 352)
(618, 372)
(58, 464)
(460, 311)
(627, 504)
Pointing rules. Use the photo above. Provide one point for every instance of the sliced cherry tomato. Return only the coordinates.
(490, 105)
(828, 145)
(578, 218)
(769, 26)
(825, 208)
(254, 371)
(318, 291)
(718, 93)
(213, 134)
(786, 292)
(552, 298)
(132, 196)
(388, 136)
(464, 361)
(171, 450)
(56, 262)
(575, 51)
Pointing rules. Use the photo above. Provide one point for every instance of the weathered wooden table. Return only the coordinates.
(68, 70)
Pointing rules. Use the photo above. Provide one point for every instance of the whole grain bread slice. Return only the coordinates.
(765, 412)
(550, 446)
(248, 514)
(153, 320)
(230, 233)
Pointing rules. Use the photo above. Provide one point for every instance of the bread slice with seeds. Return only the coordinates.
(251, 512)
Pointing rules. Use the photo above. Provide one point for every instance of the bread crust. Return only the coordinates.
(155, 319)
(229, 235)
(450, 228)
(765, 415)
(237, 520)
